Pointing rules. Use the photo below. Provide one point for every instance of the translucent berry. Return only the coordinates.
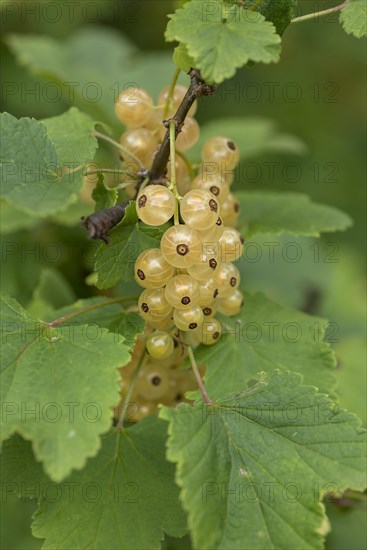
(231, 304)
(182, 292)
(134, 107)
(188, 319)
(181, 246)
(141, 143)
(151, 269)
(227, 279)
(208, 265)
(231, 245)
(153, 382)
(188, 136)
(159, 344)
(210, 331)
(155, 205)
(153, 306)
(221, 151)
(199, 209)
(230, 210)
(208, 291)
(210, 237)
(216, 186)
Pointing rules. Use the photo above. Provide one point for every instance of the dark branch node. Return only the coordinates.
(100, 223)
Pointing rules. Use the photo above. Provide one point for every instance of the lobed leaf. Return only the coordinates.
(292, 213)
(58, 386)
(125, 497)
(266, 337)
(253, 468)
(34, 175)
(221, 38)
(354, 18)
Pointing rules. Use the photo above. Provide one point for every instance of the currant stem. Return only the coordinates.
(85, 309)
(319, 13)
(197, 374)
(125, 406)
(119, 146)
(188, 163)
(197, 88)
(170, 92)
(111, 171)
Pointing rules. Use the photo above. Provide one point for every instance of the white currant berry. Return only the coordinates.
(231, 304)
(159, 344)
(221, 151)
(188, 319)
(151, 269)
(231, 245)
(199, 209)
(153, 306)
(133, 107)
(227, 278)
(181, 246)
(155, 205)
(141, 143)
(182, 292)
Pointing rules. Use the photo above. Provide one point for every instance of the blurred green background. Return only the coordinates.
(317, 93)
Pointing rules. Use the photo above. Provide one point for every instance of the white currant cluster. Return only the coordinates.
(191, 276)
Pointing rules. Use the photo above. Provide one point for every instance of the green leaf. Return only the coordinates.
(354, 18)
(32, 178)
(222, 38)
(254, 136)
(52, 292)
(71, 134)
(92, 66)
(253, 468)
(280, 12)
(263, 337)
(58, 385)
(98, 311)
(182, 59)
(125, 497)
(86, 66)
(292, 213)
(104, 197)
(128, 239)
(12, 219)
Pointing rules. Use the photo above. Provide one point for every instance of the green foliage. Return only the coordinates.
(51, 293)
(292, 213)
(354, 18)
(230, 454)
(104, 197)
(221, 38)
(34, 164)
(41, 372)
(129, 484)
(182, 59)
(266, 337)
(98, 61)
(128, 239)
(280, 12)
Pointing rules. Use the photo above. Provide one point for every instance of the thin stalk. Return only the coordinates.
(188, 163)
(197, 374)
(111, 171)
(85, 309)
(319, 13)
(173, 184)
(125, 406)
(121, 147)
(170, 92)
